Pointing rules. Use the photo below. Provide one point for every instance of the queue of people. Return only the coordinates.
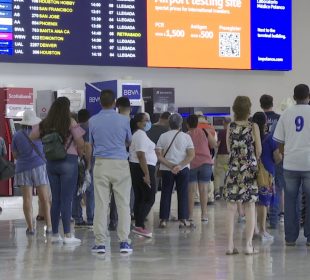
(105, 157)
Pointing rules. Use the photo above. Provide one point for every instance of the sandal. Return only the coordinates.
(40, 218)
(186, 224)
(29, 232)
(251, 252)
(233, 252)
(162, 224)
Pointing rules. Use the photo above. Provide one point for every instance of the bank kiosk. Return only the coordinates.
(214, 115)
(13, 103)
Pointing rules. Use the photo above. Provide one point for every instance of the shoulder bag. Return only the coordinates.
(264, 178)
(159, 171)
(35, 148)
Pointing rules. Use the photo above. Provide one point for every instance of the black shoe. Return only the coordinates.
(82, 224)
(210, 203)
(0, 209)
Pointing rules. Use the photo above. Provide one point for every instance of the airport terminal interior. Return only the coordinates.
(182, 63)
(172, 253)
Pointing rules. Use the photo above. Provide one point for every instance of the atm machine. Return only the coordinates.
(45, 99)
(13, 103)
(128, 88)
(158, 100)
(214, 115)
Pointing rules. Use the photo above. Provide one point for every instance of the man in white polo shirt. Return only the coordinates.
(293, 134)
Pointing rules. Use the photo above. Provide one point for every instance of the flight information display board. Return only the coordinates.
(225, 34)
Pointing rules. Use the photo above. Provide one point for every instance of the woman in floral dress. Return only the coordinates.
(244, 146)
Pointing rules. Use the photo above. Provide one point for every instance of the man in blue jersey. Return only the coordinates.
(293, 134)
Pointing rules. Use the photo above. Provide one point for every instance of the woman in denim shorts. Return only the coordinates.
(201, 166)
(31, 170)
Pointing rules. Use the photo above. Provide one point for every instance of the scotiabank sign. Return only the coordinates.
(19, 96)
(18, 100)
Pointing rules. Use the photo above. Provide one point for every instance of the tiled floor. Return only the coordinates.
(171, 254)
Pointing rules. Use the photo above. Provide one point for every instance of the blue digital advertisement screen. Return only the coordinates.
(214, 34)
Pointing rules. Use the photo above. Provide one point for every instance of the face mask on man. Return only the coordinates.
(148, 126)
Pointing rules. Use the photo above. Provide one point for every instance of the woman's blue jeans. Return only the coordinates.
(63, 175)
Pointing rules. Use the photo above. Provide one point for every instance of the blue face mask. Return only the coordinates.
(148, 126)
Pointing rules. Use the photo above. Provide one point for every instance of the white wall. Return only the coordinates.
(193, 87)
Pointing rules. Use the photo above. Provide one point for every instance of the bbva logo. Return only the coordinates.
(94, 99)
(131, 92)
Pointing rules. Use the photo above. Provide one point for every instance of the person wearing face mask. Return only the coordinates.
(148, 124)
(142, 158)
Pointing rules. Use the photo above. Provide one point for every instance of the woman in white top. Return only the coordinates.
(142, 158)
(175, 150)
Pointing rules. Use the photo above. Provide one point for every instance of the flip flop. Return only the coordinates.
(233, 252)
(253, 252)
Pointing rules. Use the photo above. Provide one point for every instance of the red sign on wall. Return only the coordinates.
(23, 96)
(18, 100)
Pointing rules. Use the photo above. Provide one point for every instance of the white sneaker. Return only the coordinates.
(266, 237)
(72, 240)
(56, 239)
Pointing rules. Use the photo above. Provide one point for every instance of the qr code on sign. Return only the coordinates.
(229, 44)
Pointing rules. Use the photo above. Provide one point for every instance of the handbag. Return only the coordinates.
(54, 147)
(7, 169)
(158, 173)
(264, 178)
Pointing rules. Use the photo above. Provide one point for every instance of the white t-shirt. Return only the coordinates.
(142, 143)
(293, 129)
(177, 151)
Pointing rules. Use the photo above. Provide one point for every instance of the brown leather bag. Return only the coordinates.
(264, 178)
